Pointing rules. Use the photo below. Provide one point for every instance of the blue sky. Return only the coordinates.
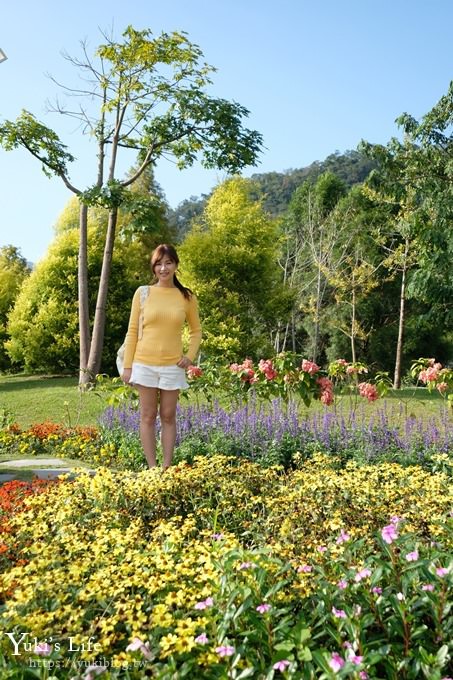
(316, 76)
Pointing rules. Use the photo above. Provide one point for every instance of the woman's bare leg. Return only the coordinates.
(148, 413)
(168, 402)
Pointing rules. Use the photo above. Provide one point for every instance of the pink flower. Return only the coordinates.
(225, 650)
(234, 368)
(357, 660)
(343, 537)
(369, 391)
(339, 613)
(263, 608)
(248, 375)
(376, 590)
(442, 387)
(342, 362)
(202, 639)
(427, 586)
(305, 568)
(389, 533)
(43, 649)
(363, 675)
(363, 573)
(412, 556)
(342, 584)
(217, 537)
(205, 603)
(326, 398)
(326, 387)
(309, 367)
(247, 565)
(138, 644)
(266, 366)
(430, 374)
(134, 645)
(321, 548)
(194, 372)
(281, 665)
(336, 662)
(247, 363)
(351, 370)
(442, 571)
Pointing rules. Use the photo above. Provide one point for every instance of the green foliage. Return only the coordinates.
(416, 176)
(43, 325)
(310, 239)
(229, 259)
(42, 142)
(13, 271)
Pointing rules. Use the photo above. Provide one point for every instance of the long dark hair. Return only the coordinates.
(165, 250)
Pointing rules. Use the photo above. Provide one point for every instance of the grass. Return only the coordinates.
(29, 399)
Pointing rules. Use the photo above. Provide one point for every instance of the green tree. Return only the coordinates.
(415, 177)
(310, 241)
(229, 258)
(13, 271)
(356, 267)
(153, 101)
(43, 325)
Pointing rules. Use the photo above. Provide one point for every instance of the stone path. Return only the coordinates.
(44, 468)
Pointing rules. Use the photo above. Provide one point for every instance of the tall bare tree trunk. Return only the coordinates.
(353, 313)
(97, 340)
(317, 315)
(84, 316)
(399, 345)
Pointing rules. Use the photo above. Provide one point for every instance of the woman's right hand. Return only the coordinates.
(126, 375)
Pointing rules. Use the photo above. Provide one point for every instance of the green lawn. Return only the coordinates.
(34, 399)
(29, 399)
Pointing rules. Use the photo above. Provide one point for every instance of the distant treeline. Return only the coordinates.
(276, 188)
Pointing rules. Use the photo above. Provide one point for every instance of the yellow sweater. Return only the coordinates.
(164, 313)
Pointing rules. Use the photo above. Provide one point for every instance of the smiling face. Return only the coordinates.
(164, 271)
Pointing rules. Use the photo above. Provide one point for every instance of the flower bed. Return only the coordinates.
(49, 439)
(277, 434)
(224, 569)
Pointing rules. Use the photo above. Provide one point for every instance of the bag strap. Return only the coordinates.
(144, 292)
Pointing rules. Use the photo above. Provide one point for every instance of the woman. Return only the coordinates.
(153, 357)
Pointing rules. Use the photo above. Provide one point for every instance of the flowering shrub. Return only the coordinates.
(434, 376)
(285, 376)
(194, 573)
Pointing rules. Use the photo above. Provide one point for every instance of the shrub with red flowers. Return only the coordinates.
(346, 374)
(435, 376)
(194, 371)
(368, 391)
(284, 376)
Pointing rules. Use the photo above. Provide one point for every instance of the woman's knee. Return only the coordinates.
(168, 416)
(148, 417)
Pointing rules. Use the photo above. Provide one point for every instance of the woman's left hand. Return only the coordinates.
(184, 362)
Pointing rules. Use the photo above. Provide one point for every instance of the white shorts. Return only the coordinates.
(163, 377)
